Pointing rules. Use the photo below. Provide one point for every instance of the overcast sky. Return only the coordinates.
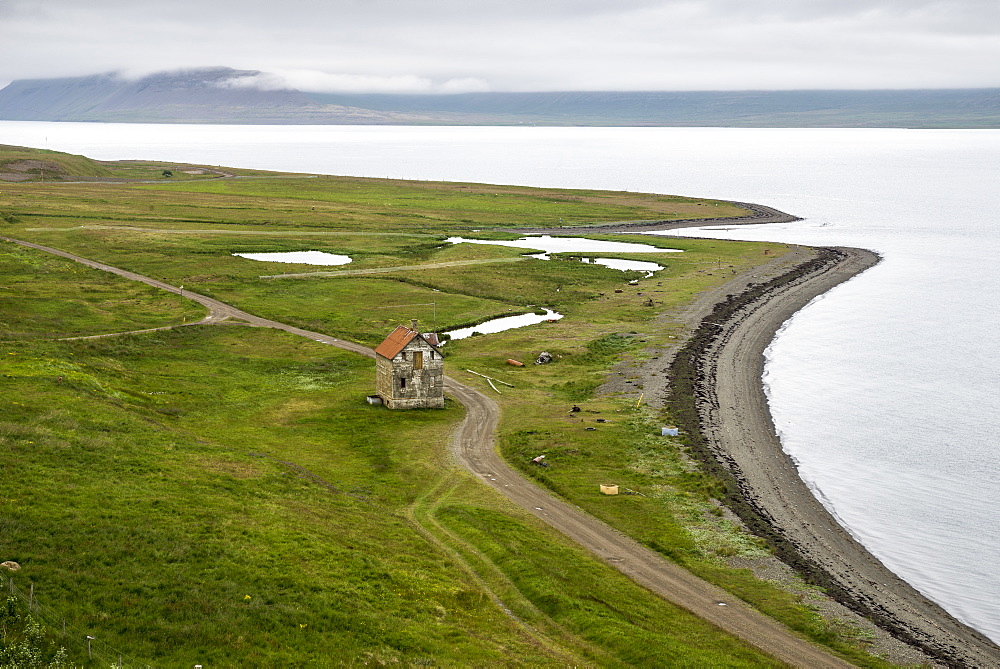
(516, 45)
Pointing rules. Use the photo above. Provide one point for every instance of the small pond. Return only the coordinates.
(550, 244)
(625, 265)
(299, 257)
(505, 323)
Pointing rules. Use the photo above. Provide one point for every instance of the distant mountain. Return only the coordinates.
(210, 96)
(205, 95)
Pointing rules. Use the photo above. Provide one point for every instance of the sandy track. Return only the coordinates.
(473, 446)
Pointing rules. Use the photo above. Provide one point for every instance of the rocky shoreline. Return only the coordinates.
(714, 390)
(716, 395)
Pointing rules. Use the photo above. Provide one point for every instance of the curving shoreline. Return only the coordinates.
(717, 395)
(715, 389)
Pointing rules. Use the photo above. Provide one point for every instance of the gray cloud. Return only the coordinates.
(454, 45)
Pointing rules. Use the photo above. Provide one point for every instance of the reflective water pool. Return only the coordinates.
(505, 323)
(550, 244)
(299, 257)
(626, 265)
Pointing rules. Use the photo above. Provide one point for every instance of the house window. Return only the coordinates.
(404, 355)
(402, 383)
(418, 360)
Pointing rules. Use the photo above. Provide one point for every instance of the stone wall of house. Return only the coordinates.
(383, 378)
(402, 386)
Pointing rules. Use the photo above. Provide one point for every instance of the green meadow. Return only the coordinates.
(222, 495)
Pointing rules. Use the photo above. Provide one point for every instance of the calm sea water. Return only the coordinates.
(886, 390)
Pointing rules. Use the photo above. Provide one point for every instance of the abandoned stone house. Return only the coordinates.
(409, 370)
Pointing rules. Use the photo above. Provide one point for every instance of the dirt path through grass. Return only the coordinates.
(473, 446)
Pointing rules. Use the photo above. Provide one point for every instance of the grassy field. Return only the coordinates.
(42, 296)
(223, 495)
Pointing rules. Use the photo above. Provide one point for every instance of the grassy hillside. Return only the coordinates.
(23, 164)
(19, 164)
(222, 495)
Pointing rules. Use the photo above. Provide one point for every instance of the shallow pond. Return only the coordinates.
(299, 257)
(550, 244)
(625, 265)
(505, 323)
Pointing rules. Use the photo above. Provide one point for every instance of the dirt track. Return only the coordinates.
(473, 447)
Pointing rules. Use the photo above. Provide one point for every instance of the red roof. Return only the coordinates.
(399, 338)
(395, 342)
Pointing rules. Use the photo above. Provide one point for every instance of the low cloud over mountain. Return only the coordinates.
(225, 95)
